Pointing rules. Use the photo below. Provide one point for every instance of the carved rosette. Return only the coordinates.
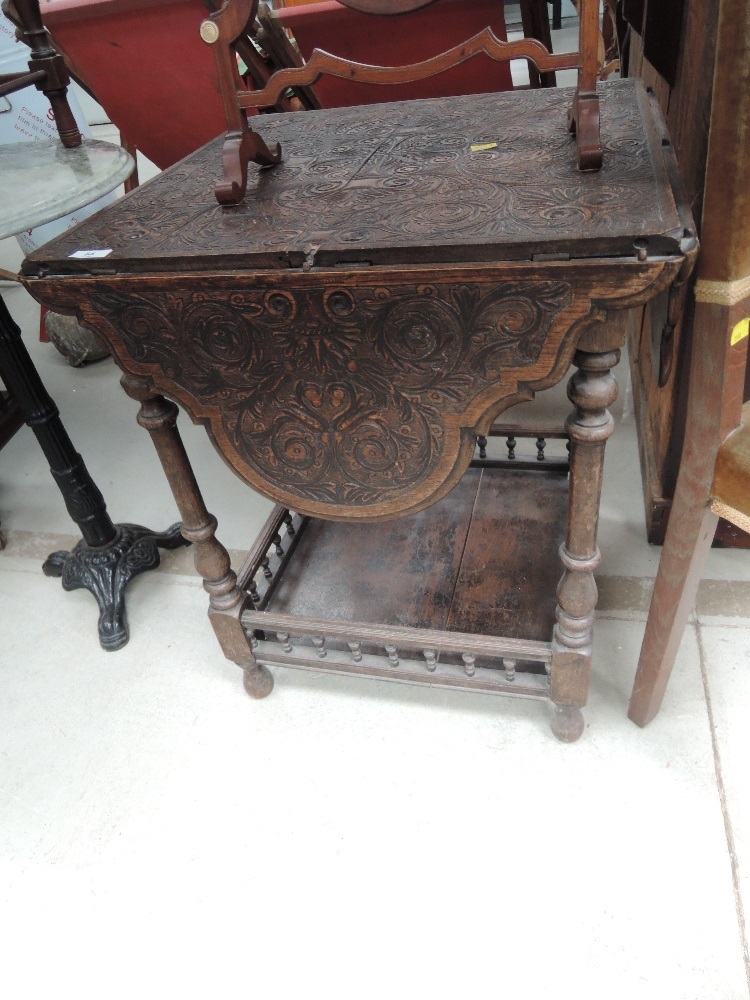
(341, 397)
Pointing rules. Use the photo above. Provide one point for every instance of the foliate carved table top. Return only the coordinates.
(454, 180)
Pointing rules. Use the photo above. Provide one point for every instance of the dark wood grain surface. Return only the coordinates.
(401, 183)
(482, 561)
(509, 571)
(400, 572)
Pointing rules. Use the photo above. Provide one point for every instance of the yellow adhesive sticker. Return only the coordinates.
(483, 145)
(740, 331)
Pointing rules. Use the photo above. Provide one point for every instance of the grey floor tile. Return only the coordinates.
(143, 789)
(726, 650)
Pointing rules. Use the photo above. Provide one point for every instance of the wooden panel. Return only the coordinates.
(662, 32)
(482, 560)
(510, 570)
(660, 412)
(395, 573)
(690, 100)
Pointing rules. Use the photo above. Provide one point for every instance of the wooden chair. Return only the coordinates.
(242, 145)
(714, 475)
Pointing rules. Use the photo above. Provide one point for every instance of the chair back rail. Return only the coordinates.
(242, 145)
(322, 63)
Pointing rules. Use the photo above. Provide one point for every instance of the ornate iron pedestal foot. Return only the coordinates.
(106, 570)
(109, 555)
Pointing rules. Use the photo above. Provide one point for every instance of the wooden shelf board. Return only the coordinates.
(483, 560)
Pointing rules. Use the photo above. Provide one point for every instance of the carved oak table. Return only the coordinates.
(350, 331)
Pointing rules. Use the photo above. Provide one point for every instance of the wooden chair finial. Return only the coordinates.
(242, 145)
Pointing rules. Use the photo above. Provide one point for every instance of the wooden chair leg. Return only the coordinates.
(718, 362)
(692, 524)
(690, 532)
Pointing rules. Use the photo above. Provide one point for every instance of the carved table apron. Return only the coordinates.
(406, 274)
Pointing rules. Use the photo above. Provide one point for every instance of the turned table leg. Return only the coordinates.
(109, 555)
(226, 600)
(591, 390)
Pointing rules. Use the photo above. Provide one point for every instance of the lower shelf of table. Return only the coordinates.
(460, 595)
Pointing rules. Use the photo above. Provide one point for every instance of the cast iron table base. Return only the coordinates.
(106, 571)
(109, 555)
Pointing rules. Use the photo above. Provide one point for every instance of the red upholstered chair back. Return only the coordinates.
(398, 41)
(146, 65)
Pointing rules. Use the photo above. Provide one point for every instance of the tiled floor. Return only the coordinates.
(163, 836)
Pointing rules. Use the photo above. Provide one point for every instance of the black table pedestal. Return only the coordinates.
(109, 555)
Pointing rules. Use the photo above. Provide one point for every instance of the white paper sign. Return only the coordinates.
(89, 254)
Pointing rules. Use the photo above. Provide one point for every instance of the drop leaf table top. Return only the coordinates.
(454, 180)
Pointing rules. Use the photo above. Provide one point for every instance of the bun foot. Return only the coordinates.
(257, 681)
(567, 723)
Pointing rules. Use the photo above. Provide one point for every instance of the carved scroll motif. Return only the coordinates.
(338, 396)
